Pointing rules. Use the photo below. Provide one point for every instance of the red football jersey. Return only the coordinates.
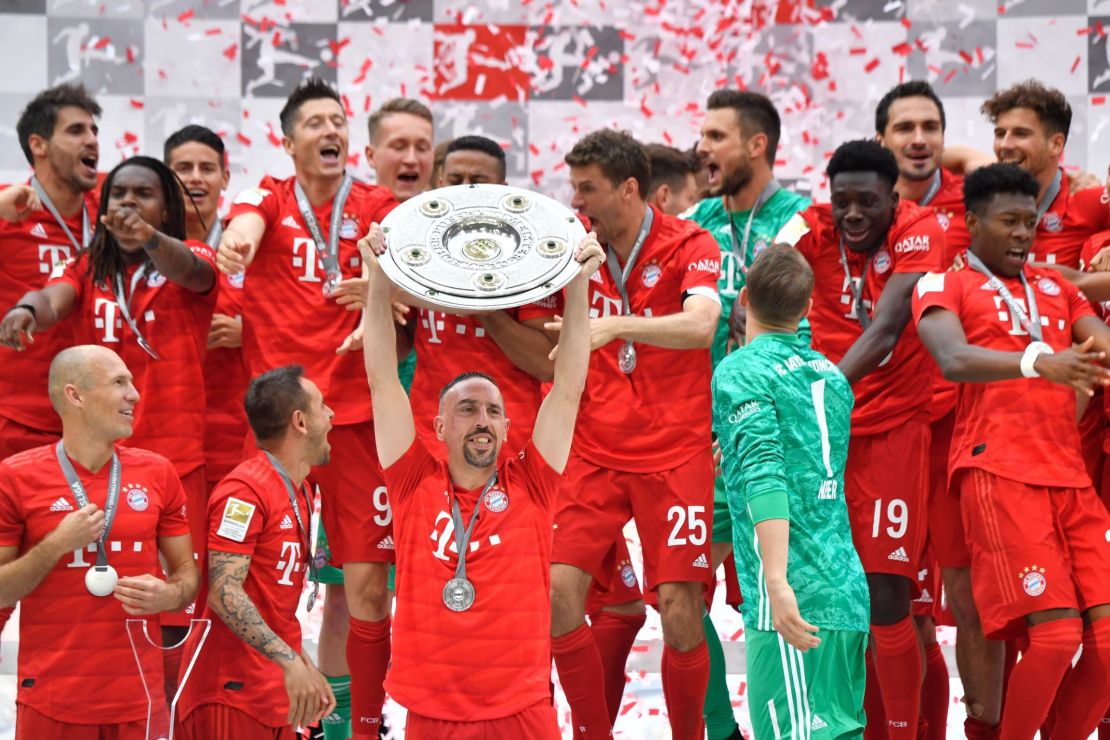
(447, 345)
(29, 252)
(628, 422)
(249, 514)
(286, 317)
(75, 658)
(493, 660)
(1022, 429)
(903, 385)
(169, 418)
(1092, 247)
(226, 380)
(948, 204)
(1069, 222)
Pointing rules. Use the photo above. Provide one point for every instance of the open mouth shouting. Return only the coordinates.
(331, 154)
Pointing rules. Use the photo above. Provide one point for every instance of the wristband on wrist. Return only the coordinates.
(1032, 352)
(28, 306)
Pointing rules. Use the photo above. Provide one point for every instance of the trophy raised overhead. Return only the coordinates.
(481, 247)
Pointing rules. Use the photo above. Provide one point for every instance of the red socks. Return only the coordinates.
(977, 729)
(615, 634)
(898, 664)
(1037, 675)
(685, 678)
(581, 674)
(1079, 707)
(875, 727)
(935, 693)
(368, 658)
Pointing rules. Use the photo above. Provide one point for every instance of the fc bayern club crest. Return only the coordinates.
(650, 276)
(628, 576)
(137, 499)
(497, 501)
(944, 219)
(882, 261)
(1033, 581)
(1051, 222)
(1048, 286)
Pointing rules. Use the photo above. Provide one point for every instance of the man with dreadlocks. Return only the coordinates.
(143, 292)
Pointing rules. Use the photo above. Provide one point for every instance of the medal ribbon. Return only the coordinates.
(82, 498)
(620, 278)
(462, 538)
(85, 230)
(1031, 321)
(741, 248)
(328, 251)
(1049, 196)
(857, 288)
(300, 526)
(934, 188)
(214, 234)
(123, 300)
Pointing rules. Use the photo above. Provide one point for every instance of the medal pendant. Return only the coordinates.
(331, 282)
(458, 594)
(101, 580)
(626, 358)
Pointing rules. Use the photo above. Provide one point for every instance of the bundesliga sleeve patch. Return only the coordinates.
(930, 282)
(252, 196)
(792, 231)
(236, 519)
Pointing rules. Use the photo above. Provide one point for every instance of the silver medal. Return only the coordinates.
(101, 580)
(331, 282)
(626, 358)
(458, 594)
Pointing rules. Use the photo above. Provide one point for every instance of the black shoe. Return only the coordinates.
(315, 732)
(736, 735)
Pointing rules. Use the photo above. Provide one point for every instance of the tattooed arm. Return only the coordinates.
(310, 697)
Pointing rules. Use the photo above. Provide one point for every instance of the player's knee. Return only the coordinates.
(680, 609)
(890, 598)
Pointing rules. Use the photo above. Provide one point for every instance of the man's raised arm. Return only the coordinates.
(379, 350)
(554, 428)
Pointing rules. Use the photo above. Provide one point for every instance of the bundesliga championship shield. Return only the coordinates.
(481, 247)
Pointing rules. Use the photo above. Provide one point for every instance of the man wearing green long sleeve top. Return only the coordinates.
(806, 605)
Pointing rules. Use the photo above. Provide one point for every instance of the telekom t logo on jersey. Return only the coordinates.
(108, 319)
(290, 562)
(445, 540)
(1016, 328)
(306, 258)
(51, 255)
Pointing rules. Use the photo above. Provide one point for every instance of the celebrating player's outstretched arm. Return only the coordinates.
(310, 697)
(555, 421)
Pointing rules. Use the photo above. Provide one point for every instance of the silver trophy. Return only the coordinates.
(481, 247)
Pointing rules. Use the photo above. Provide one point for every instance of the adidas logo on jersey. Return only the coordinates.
(818, 723)
(290, 222)
(701, 562)
(61, 505)
(899, 555)
(386, 543)
(286, 522)
(38, 231)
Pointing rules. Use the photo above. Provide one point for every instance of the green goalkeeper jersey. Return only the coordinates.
(710, 214)
(781, 411)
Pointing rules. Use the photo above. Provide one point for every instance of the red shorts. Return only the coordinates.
(946, 526)
(196, 509)
(353, 503)
(1032, 548)
(537, 722)
(16, 437)
(886, 485)
(33, 725)
(620, 587)
(928, 590)
(673, 510)
(210, 721)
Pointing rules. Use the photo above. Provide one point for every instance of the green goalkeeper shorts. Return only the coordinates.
(817, 694)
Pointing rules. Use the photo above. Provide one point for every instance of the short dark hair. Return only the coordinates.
(462, 378)
(198, 134)
(471, 143)
(863, 155)
(271, 399)
(1048, 103)
(312, 88)
(911, 89)
(756, 113)
(617, 154)
(982, 185)
(779, 284)
(397, 105)
(669, 166)
(41, 114)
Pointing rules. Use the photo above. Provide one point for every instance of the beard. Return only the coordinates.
(477, 460)
(735, 182)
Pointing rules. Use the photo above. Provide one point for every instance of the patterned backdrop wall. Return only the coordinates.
(537, 74)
